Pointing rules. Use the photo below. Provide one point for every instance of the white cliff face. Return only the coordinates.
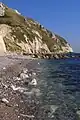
(37, 33)
(36, 46)
(2, 10)
(40, 47)
(2, 46)
(67, 48)
(4, 30)
(27, 35)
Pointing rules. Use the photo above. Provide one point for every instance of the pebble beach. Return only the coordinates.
(16, 83)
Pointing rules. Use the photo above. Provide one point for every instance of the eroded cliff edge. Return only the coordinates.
(24, 35)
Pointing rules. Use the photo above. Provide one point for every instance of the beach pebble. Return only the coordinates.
(20, 89)
(18, 116)
(5, 86)
(30, 74)
(33, 73)
(33, 82)
(28, 116)
(78, 113)
(5, 100)
(25, 70)
(15, 88)
(4, 68)
(16, 78)
(16, 105)
(24, 76)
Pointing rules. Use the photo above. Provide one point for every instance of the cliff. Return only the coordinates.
(24, 35)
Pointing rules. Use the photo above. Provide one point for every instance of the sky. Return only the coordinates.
(59, 16)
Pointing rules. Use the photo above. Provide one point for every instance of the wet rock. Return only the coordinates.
(33, 82)
(24, 76)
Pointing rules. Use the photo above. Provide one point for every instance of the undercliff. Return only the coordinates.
(21, 34)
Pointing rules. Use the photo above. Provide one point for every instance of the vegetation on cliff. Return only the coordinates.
(29, 36)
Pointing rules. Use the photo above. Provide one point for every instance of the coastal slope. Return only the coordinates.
(21, 34)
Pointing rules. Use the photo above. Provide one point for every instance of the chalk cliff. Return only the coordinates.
(24, 35)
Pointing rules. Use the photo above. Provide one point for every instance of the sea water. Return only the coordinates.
(59, 89)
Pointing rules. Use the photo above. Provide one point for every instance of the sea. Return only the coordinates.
(58, 89)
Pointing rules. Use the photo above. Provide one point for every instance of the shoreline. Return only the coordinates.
(18, 98)
(53, 55)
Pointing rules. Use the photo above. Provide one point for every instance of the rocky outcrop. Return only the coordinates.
(2, 10)
(25, 35)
